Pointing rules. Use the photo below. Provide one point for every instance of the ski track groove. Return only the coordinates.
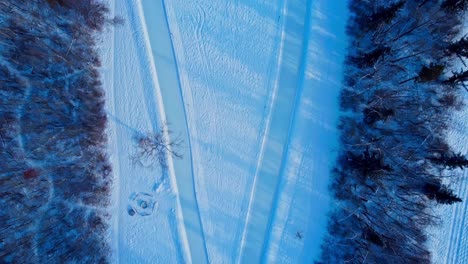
(186, 127)
(272, 82)
(188, 96)
(457, 237)
(299, 89)
(164, 9)
(299, 80)
(182, 243)
(455, 247)
(266, 123)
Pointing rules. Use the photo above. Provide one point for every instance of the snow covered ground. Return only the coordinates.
(449, 242)
(251, 87)
(303, 200)
(134, 106)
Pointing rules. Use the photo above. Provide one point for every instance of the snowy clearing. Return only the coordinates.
(256, 109)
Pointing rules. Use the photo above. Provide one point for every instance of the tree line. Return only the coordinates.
(55, 176)
(405, 75)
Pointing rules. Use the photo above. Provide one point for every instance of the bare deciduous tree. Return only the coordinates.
(154, 148)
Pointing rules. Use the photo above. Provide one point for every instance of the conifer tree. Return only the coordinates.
(374, 114)
(427, 74)
(455, 5)
(381, 16)
(452, 162)
(458, 48)
(457, 78)
(440, 193)
(368, 163)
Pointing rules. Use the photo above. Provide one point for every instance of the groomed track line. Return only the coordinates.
(167, 79)
(274, 147)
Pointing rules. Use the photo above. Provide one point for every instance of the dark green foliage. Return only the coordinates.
(370, 58)
(374, 114)
(427, 74)
(382, 15)
(431, 73)
(455, 5)
(440, 193)
(369, 163)
(451, 161)
(372, 236)
(458, 48)
(457, 78)
(386, 14)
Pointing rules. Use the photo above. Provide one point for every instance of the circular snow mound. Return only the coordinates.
(142, 204)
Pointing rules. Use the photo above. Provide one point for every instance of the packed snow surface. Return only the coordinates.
(449, 242)
(251, 88)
